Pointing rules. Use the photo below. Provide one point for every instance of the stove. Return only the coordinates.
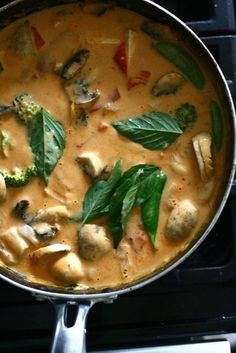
(196, 302)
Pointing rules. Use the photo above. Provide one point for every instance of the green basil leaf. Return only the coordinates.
(128, 203)
(217, 124)
(98, 196)
(115, 209)
(154, 130)
(147, 187)
(47, 141)
(142, 169)
(183, 60)
(150, 210)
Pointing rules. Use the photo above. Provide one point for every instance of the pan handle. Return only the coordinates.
(70, 339)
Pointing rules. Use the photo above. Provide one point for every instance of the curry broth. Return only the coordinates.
(65, 29)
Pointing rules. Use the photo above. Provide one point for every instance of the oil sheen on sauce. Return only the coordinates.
(64, 30)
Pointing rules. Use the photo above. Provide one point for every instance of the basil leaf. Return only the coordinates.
(143, 170)
(98, 196)
(147, 187)
(217, 124)
(154, 130)
(47, 141)
(183, 60)
(150, 210)
(115, 209)
(128, 203)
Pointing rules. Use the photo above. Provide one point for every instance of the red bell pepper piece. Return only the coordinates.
(38, 40)
(141, 79)
(120, 57)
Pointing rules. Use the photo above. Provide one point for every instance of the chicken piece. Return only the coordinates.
(68, 269)
(91, 164)
(3, 189)
(52, 214)
(7, 257)
(49, 250)
(93, 242)
(182, 219)
(202, 148)
(178, 165)
(28, 233)
(12, 239)
(45, 231)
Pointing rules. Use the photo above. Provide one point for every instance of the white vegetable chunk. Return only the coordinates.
(50, 250)
(182, 220)
(91, 164)
(28, 233)
(202, 148)
(52, 214)
(93, 242)
(68, 269)
(3, 189)
(12, 239)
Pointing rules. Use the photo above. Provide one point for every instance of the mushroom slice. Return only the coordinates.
(79, 94)
(93, 242)
(7, 257)
(45, 231)
(68, 269)
(50, 250)
(3, 189)
(181, 221)
(167, 84)
(91, 164)
(52, 214)
(28, 233)
(14, 241)
(202, 148)
(75, 64)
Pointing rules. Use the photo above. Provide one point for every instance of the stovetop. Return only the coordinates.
(197, 299)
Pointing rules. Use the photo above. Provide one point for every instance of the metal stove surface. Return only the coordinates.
(195, 302)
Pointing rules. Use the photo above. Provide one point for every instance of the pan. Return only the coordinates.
(72, 339)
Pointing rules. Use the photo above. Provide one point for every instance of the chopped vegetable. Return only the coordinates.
(186, 115)
(47, 142)
(120, 57)
(115, 95)
(183, 60)
(154, 130)
(4, 109)
(80, 95)
(141, 79)
(153, 29)
(75, 64)
(167, 84)
(102, 126)
(19, 177)
(83, 118)
(202, 148)
(38, 40)
(20, 211)
(91, 164)
(131, 41)
(217, 124)
(5, 143)
(22, 41)
(25, 107)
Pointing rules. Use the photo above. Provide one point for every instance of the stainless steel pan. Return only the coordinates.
(71, 340)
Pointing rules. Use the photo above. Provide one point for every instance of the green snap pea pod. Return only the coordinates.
(183, 61)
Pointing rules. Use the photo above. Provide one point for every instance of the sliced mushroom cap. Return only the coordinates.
(93, 242)
(167, 84)
(12, 239)
(28, 233)
(75, 64)
(79, 94)
(202, 148)
(45, 231)
(21, 211)
(68, 269)
(3, 189)
(91, 164)
(181, 221)
(49, 250)
(52, 214)
(7, 257)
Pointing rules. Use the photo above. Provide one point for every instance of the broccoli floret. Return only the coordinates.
(19, 177)
(5, 142)
(25, 106)
(186, 115)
